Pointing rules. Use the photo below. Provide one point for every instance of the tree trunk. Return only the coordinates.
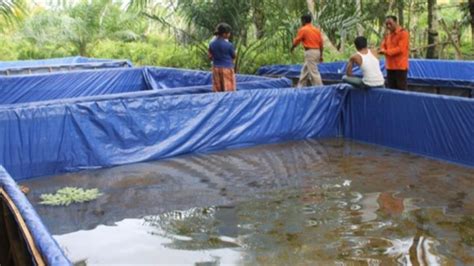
(408, 24)
(311, 6)
(432, 30)
(390, 5)
(360, 28)
(259, 20)
(471, 10)
(452, 40)
(410, 10)
(386, 9)
(82, 49)
(343, 41)
(327, 42)
(400, 7)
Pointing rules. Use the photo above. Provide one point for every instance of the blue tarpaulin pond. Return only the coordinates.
(26, 67)
(162, 112)
(422, 72)
(55, 86)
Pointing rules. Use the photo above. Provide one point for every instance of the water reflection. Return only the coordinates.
(193, 229)
(325, 202)
(286, 227)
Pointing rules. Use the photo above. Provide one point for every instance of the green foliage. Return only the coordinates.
(11, 11)
(468, 51)
(339, 20)
(67, 195)
(102, 19)
(8, 50)
(47, 28)
(158, 53)
(202, 16)
(80, 27)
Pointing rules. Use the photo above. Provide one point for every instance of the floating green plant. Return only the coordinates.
(68, 195)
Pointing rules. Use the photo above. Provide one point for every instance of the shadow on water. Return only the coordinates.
(325, 201)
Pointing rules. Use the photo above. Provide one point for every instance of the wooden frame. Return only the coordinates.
(16, 241)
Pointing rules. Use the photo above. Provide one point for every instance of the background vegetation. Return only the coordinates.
(176, 32)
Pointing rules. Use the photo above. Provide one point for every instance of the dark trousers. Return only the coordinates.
(397, 79)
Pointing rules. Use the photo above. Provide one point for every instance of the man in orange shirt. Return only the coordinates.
(312, 41)
(396, 49)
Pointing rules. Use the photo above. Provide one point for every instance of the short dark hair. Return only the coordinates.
(222, 28)
(394, 18)
(307, 18)
(360, 42)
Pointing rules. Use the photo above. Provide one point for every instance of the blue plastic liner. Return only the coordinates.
(48, 138)
(31, 88)
(54, 62)
(329, 71)
(165, 78)
(43, 87)
(442, 73)
(432, 125)
(422, 72)
(49, 248)
(246, 85)
(62, 68)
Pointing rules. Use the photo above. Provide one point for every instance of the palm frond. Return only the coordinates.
(11, 9)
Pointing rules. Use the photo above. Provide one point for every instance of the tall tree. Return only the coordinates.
(259, 17)
(360, 28)
(400, 9)
(432, 30)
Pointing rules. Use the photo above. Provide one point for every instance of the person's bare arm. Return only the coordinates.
(349, 67)
(355, 59)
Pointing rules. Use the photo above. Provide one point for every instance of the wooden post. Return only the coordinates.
(5, 258)
(18, 250)
(23, 248)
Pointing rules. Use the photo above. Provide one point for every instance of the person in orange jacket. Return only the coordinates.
(396, 48)
(312, 41)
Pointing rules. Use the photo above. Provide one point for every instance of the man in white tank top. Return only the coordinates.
(372, 76)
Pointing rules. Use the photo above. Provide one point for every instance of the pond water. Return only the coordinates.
(326, 202)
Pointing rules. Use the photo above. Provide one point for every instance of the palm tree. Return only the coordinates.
(82, 26)
(9, 9)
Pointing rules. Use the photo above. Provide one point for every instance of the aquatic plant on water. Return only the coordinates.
(68, 195)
